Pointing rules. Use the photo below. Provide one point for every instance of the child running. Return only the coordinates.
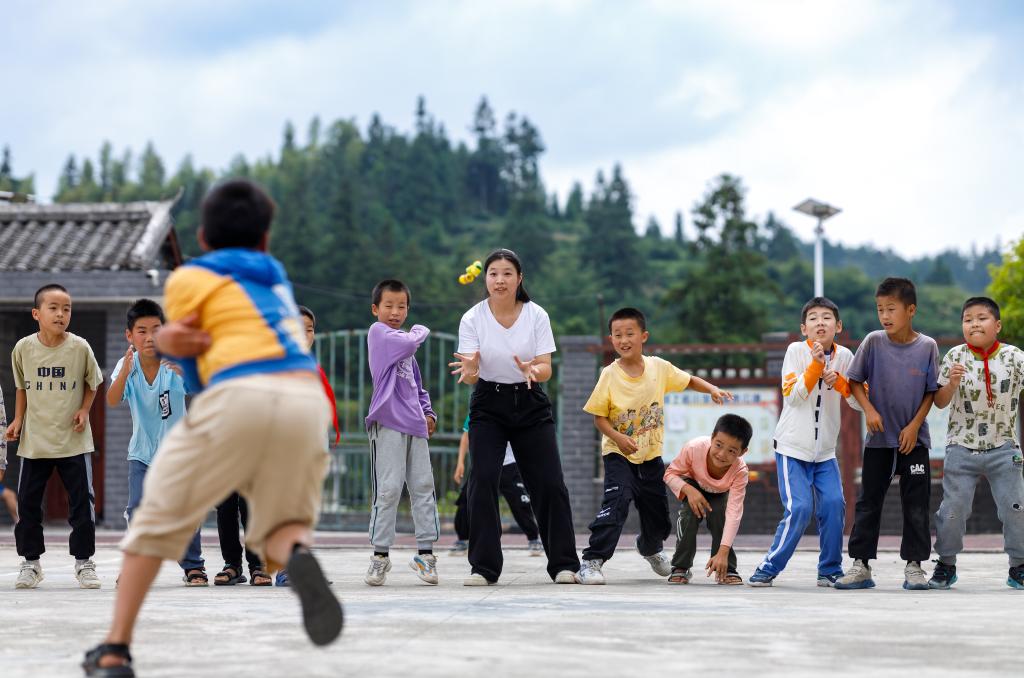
(710, 477)
(628, 404)
(900, 366)
(980, 380)
(155, 392)
(56, 375)
(257, 428)
(399, 423)
(813, 384)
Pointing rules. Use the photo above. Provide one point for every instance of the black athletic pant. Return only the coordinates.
(626, 483)
(514, 491)
(228, 513)
(511, 413)
(76, 475)
(880, 465)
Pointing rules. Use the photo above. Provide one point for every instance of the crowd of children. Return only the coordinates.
(235, 339)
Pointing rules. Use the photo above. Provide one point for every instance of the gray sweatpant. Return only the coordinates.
(398, 459)
(1002, 466)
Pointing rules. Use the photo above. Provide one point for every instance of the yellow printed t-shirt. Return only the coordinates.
(54, 380)
(635, 406)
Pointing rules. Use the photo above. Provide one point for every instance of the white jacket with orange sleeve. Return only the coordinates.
(809, 424)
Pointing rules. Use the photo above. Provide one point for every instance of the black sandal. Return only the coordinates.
(258, 573)
(196, 577)
(92, 661)
(233, 576)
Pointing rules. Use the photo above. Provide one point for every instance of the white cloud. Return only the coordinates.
(707, 93)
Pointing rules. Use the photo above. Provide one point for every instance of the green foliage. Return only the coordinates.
(358, 205)
(1007, 289)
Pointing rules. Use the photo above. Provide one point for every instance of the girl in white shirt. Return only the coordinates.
(505, 347)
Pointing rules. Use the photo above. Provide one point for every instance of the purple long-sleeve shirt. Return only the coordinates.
(399, 400)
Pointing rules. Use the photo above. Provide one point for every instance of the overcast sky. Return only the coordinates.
(907, 115)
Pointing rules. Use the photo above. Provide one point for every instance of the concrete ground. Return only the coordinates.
(527, 626)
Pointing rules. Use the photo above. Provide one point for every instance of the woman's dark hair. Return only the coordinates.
(513, 258)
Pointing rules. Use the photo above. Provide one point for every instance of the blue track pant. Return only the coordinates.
(808, 488)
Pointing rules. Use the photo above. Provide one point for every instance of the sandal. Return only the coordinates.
(680, 577)
(731, 579)
(92, 661)
(258, 577)
(229, 576)
(196, 577)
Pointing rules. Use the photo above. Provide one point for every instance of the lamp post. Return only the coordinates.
(822, 211)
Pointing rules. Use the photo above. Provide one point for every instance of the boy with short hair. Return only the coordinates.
(257, 427)
(980, 380)
(399, 422)
(710, 477)
(813, 386)
(56, 375)
(155, 392)
(628, 408)
(900, 366)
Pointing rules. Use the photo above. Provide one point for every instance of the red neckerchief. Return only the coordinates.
(329, 392)
(984, 355)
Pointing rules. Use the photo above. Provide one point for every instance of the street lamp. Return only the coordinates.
(822, 211)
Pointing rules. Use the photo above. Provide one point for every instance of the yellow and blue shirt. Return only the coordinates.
(245, 303)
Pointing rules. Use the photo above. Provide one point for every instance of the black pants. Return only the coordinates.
(228, 513)
(511, 413)
(514, 491)
(880, 465)
(686, 529)
(76, 475)
(625, 483)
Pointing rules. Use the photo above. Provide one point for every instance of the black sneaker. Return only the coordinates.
(1016, 578)
(943, 576)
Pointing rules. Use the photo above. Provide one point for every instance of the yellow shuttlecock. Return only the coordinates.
(472, 271)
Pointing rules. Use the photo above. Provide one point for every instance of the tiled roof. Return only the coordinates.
(83, 237)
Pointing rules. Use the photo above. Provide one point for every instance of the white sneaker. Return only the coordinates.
(477, 580)
(378, 570)
(30, 575)
(535, 548)
(425, 567)
(660, 563)
(566, 577)
(857, 577)
(590, 572)
(85, 570)
(914, 578)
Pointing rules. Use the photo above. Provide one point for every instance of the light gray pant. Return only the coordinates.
(398, 459)
(1002, 466)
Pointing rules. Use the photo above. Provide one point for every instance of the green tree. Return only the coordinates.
(1007, 289)
(609, 244)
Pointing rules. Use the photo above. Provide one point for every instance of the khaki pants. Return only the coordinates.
(262, 436)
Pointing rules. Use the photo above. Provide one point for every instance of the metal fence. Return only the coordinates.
(343, 356)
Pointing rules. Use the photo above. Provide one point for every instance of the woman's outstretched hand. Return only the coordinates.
(529, 369)
(466, 366)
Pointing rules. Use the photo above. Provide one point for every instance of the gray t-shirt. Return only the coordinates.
(898, 377)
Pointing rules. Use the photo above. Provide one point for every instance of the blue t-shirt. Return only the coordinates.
(155, 407)
(898, 377)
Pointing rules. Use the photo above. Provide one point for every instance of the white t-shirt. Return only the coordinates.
(528, 338)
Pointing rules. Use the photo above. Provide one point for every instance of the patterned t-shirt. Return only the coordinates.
(972, 423)
(635, 406)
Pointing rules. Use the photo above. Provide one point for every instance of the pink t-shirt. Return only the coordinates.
(692, 463)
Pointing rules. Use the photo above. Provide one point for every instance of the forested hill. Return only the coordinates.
(359, 205)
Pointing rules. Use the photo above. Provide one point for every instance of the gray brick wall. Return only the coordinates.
(580, 446)
(118, 429)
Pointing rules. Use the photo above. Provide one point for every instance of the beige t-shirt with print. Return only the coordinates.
(635, 406)
(54, 381)
(972, 423)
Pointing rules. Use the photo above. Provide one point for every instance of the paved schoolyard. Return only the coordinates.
(526, 626)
